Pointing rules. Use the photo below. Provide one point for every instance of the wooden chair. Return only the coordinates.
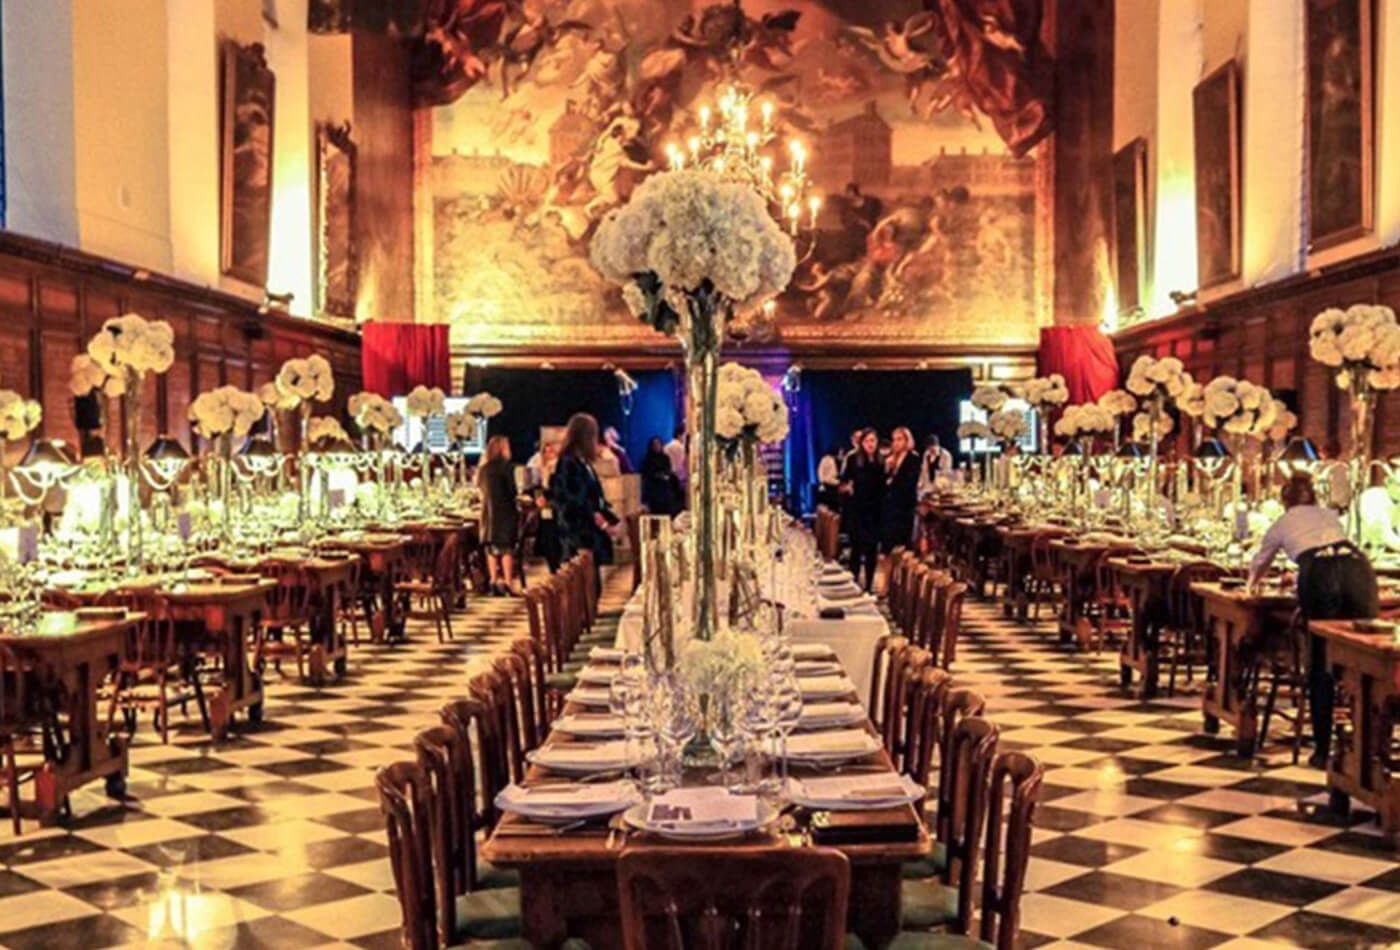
(434, 595)
(1183, 636)
(887, 651)
(1043, 578)
(959, 705)
(152, 674)
(947, 900)
(13, 723)
(404, 793)
(535, 708)
(1006, 854)
(925, 729)
(899, 694)
(713, 898)
(285, 628)
(946, 650)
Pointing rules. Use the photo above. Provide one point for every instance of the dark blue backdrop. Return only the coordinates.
(535, 397)
(832, 403)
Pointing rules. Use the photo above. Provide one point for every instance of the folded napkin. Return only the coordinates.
(590, 724)
(822, 715)
(582, 755)
(855, 792)
(855, 598)
(588, 696)
(810, 668)
(605, 655)
(826, 687)
(563, 796)
(812, 651)
(835, 742)
(597, 674)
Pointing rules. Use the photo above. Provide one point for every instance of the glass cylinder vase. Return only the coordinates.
(131, 466)
(701, 339)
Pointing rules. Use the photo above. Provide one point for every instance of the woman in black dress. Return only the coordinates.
(500, 518)
(902, 467)
(863, 484)
(661, 490)
(576, 493)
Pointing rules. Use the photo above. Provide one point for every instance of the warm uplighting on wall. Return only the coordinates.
(1174, 245)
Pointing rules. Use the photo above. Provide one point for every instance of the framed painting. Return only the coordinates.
(1130, 224)
(337, 264)
(1216, 121)
(1341, 120)
(246, 157)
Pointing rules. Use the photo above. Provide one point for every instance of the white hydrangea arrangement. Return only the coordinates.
(731, 661)
(1161, 379)
(374, 414)
(276, 399)
(461, 427)
(687, 233)
(305, 380)
(1237, 406)
(18, 416)
(483, 405)
(1085, 419)
(123, 351)
(974, 430)
(991, 397)
(327, 429)
(1009, 426)
(1143, 426)
(1361, 342)
(1119, 402)
(748, 407)
(424, 402)
(226, 410)
(1045, 391)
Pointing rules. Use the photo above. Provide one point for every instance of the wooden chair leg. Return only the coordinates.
(164, 714)
(12, 773)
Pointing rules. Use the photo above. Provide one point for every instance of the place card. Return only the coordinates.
(701, 806)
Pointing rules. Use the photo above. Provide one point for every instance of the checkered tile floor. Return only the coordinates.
(270, 839)
(1151, 833)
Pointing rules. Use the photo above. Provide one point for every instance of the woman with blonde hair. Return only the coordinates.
(901, 495)
(500, 516)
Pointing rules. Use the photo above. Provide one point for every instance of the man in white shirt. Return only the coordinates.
(937, 464)
(675, 451)
(829, 479)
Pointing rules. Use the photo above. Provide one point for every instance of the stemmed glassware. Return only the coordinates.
(675, 715)
(725, 730)
(787, 700)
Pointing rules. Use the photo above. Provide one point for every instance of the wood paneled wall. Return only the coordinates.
(1262, 335)
(53, 299)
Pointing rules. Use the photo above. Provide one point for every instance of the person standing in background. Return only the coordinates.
(547, 534)
(500, 518)
(661, 491)
(576, 493)
(829, 479)
(902, 467)
(937, 463)
(863, 485)
(675, 451)
(613, 440)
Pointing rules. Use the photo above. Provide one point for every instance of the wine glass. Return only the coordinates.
(724, 730)
(760, 722)
(787, 694)
(677, 715)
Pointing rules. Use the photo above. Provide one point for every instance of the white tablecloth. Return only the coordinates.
(852, 639)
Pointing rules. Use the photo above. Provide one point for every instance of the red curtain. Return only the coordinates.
(1083, 355)
(395, 357)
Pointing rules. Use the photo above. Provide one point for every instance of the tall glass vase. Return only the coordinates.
(701, 338)
(1363, 399)
(131, 466)
(226, 486)
(303, 470)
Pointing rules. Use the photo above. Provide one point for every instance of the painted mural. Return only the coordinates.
(927, 228)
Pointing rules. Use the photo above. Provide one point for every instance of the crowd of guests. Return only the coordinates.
(876, 486)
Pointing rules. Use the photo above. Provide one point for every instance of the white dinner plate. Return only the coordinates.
(636, 817)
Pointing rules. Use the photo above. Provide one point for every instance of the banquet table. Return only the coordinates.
(1241, 625)
(1366, 668)
(332, 581)
(382, 556)
(1144, 581)
(1076, 559)
(569, 878)
(1016, 543)
(70, 655)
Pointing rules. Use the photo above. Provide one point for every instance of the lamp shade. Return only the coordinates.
(1300, 451)
(1073, 448)
(45, 455)
(1133, 450)
(258, 447)
(167, 448)
(1211, 450)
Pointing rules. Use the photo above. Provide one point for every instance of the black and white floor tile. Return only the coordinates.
(1151, 834)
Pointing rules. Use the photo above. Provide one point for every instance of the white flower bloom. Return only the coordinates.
(989, 398)
(1142, 427)
(225, 410)
(322, 377)
(320, 428)
(974, 430)
(18, 416)
(424, 402)
(1118, 401)
(461, 427)
(85, 375)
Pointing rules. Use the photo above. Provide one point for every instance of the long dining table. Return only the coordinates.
(569, 877)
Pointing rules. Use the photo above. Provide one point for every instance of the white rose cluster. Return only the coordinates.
(748, 407)
(1085, 419)
(373, 413)
(1142, 426)
(1045, 391)
(1008, 425)
(990, 397)
(1120, 402)
(1237, 406)
(275, 398)
(483, 406)
(1151, 378)
(1192, 400)
(325, 429)
(18, 416)
(424, 402)
(225, 410)
(1363, 341)
(974, 430)
(686, 227)
(461, 427)
(126, 346)
(304, 380)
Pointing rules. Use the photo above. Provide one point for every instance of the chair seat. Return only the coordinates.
(931, 865)
(560, 681)
(491, 914)
(927, 903)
